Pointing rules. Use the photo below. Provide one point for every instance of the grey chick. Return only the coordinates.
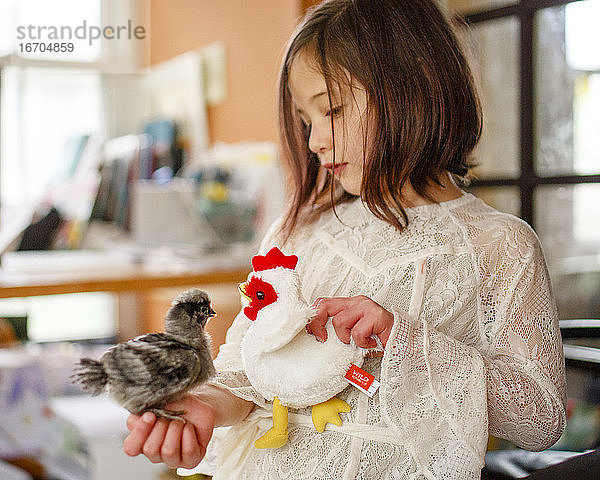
(149, 371)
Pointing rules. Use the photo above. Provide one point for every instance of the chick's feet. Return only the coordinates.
(277, 436)
(169, 414)
(328, 412)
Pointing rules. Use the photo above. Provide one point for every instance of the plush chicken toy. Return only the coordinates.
(283, 362)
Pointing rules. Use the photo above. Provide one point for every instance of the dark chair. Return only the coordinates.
(581, 467)
(580, 356)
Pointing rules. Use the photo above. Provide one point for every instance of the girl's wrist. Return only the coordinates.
(227, 408)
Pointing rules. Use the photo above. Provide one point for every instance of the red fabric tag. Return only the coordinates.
(359, 378)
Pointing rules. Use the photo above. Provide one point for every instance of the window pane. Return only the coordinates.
(41, 110)
(505, 199)
(568, 223)
(497, 68)
(567, 87)
(5, 27)
(471, 6)
(60, 317)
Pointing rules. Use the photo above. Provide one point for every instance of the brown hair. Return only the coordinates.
(421, 97)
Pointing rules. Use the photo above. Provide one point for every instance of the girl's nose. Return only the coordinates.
(319, 140)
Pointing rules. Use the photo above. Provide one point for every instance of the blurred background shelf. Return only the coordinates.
(116, 278)
(143, 286)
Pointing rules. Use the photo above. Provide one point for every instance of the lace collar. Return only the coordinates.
(356, 213)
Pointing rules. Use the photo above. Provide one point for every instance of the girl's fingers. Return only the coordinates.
(140, 430)
(132, 421)
(316, 326)
(170, 451)
(325, 308)
(202, 418)
(343, 323)
(355, 317)
(191, 451)
(373, 320)
(197, 431)
(361, 333)
(152, 445)
(175, 443)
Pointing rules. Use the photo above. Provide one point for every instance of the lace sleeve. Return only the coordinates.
(525, 363)
(434, 391)
(507, 378)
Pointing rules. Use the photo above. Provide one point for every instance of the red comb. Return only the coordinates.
(273, 259)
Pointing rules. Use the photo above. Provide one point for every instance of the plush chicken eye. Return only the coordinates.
(260, 295)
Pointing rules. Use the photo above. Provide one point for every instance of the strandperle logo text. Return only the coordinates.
(91, 33)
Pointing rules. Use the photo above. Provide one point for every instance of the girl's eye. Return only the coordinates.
(334, 111)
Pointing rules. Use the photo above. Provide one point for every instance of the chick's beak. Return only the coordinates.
(242, 289)
(211, 312)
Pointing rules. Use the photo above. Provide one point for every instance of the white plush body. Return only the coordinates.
(282, 360)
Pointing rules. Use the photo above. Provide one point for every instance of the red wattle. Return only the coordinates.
(250, 312)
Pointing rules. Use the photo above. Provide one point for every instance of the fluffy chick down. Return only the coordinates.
(152, 370)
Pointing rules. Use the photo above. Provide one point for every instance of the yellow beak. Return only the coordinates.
(242, 289)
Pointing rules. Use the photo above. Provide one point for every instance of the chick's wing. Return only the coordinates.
(154, 361)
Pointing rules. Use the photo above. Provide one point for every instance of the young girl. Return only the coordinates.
(379, 115)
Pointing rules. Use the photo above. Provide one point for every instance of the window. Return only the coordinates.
(538, 65)
(62, 67)
(60, 63)
(42, 108)
(47, 97)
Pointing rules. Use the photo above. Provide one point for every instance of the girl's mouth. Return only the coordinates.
(338, 167)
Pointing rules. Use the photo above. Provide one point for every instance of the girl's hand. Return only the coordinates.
(357, 317)
(172, 442)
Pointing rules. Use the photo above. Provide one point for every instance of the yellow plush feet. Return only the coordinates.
(277, 436)
(328, 412)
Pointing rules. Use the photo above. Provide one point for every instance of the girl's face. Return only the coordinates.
(309, 94)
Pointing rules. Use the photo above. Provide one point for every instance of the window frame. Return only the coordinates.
(527, 179)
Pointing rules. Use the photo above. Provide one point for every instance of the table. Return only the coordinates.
(25, 274)
(133, 279)
(15, 284)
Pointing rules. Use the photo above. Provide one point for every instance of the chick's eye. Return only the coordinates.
(260, 295)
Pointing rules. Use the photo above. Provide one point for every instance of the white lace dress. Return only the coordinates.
(475, 348)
